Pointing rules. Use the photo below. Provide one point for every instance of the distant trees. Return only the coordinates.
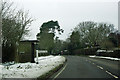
(75, 39)
(46, 36)
(114, 37)
(106, 44)
(58, 46)
(89, 34)
(15, 24)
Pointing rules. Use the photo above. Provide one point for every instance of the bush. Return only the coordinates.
(8, 53)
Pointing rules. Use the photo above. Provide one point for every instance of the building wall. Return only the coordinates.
(24, 52)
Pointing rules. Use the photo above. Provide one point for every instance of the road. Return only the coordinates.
(86, 67)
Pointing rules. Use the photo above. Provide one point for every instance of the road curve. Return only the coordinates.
(85, 67)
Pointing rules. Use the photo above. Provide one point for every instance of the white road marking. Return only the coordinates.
(111, 74)
(100, 67)
(60, 72)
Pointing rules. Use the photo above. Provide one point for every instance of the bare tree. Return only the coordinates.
(15, 24)
(94, 33)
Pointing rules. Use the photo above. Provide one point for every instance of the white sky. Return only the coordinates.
(69, 13)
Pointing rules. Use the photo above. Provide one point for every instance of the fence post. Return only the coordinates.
(36, 56)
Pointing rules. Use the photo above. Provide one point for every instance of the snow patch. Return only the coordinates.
(31, 70)
(104, 57)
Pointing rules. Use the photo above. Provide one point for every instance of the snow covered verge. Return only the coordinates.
(105, 57)
(31, 70)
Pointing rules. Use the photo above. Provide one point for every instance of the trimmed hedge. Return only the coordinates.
(115, 53)
(93, 51)
(85, 51)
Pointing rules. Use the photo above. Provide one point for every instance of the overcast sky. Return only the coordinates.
(69, 13)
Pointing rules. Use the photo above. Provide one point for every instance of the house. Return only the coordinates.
(26, 51)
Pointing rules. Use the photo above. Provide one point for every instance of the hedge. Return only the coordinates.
(115, 53)
(85, 51)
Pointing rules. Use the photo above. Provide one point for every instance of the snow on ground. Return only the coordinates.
(105, 57)
(32, 70)
(1, 71)
(43, 57)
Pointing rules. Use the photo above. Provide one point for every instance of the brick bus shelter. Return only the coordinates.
(26, 50)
